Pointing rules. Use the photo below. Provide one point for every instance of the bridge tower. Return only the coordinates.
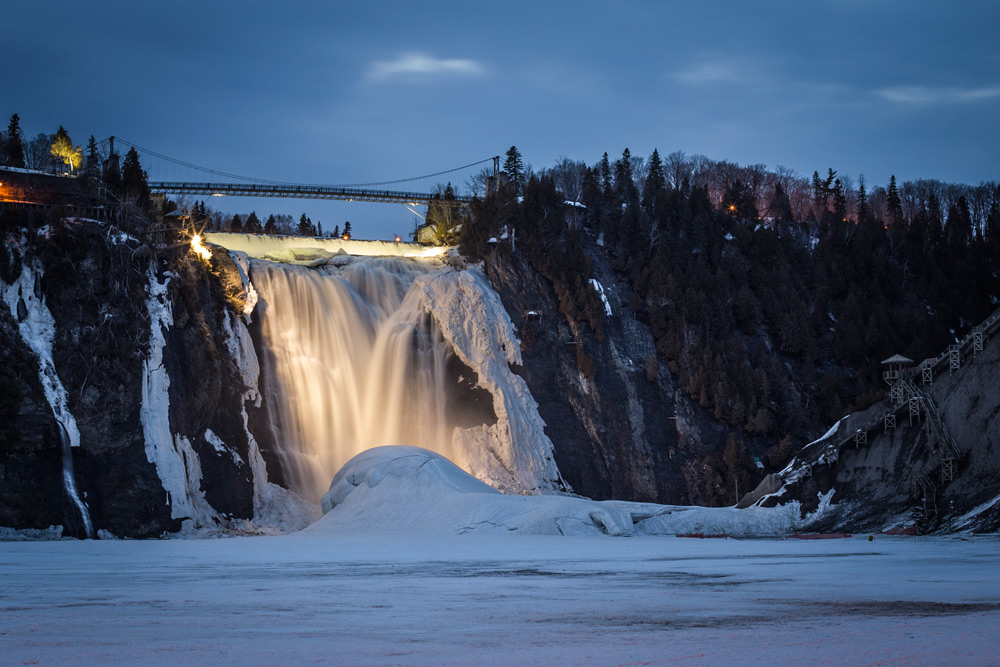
(493, 181)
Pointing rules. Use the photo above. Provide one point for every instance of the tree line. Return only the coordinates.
(772, 298)
(127, 182)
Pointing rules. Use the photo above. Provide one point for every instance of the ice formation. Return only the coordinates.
(177, 464)
(37, 328)
(308, 250)
(411, 489)
(514, 454)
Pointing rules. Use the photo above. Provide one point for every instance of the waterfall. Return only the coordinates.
(353, 362)
(69, 481)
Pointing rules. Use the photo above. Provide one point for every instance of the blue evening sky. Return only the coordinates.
(348, 92)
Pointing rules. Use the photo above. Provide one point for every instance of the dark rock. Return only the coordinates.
(620, 434)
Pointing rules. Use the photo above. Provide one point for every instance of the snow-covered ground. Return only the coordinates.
(416, 562)
(407, 598)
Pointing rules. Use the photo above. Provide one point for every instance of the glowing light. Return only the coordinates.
(199, 249)
(397, 239)
(732, 207)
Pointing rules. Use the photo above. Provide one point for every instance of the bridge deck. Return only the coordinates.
(293, 192)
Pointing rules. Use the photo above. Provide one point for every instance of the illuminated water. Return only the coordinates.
(352, 362)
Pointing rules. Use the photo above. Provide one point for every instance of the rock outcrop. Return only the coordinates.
(935, 469)
(620, 428)
(100, 287)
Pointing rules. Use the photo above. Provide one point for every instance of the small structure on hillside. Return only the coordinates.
(896, 378)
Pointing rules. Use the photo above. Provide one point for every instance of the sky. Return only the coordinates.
(338, 92)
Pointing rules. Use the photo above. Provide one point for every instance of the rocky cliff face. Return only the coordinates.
(159, 368)
(885, 477)
(96, 283)
(620, 427)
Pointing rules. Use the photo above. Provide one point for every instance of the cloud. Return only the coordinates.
(716, 72)
(937, 95)
(410, 65)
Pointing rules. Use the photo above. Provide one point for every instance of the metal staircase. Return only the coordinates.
(904, 392)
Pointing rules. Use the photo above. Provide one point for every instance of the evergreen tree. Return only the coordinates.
(607, 188)
(780, 206)
(336, 231)
(958, 228)
(625, 190)
(236, 225)
(514, 167)
(135, 186)
(305, 225)
(935, 230)
(12, 144)
(819, 194)
(270, 227)
(92, 169)
(862, 203)
(63, 149)
(319, 229)
(253, 225)
(347, 230)
(894, 207)
(991, 235)
(656, 181)
(839, 202)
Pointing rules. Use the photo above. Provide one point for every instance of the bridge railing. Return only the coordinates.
(293, 191)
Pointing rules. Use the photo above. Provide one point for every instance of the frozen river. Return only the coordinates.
(392, 598)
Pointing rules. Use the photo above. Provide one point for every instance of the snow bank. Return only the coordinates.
(307, 250)
(968, 519)
(413, 489)
(514, 454)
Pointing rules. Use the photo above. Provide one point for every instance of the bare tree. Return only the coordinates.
(36, 153)
(677, 167)
(475, 185)
(568, 176)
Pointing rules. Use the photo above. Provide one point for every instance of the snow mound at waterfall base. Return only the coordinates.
(413, 489)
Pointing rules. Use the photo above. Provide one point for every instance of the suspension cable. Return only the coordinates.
(272, 182)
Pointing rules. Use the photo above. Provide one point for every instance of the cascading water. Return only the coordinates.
(69, 482)
(354, 362)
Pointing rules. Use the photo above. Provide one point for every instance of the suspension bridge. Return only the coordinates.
(467, 181)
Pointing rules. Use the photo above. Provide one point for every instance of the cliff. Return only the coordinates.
(620, 427)
(929, 459)
(139, 343)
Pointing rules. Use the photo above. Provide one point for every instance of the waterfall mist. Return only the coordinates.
(352, 362)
